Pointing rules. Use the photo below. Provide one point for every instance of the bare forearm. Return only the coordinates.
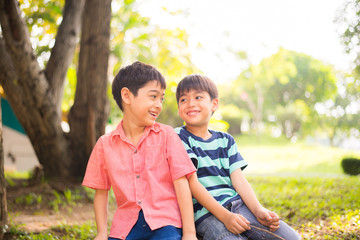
(184, 198)
(235, 223)
(206, 199)
(246, 192)
(101, 209)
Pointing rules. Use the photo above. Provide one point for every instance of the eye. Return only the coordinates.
(182, 100)
(198, 97)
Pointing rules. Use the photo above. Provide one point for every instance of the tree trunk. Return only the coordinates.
(3, 207)
(63, 51)
(87, 117)
(30, 91)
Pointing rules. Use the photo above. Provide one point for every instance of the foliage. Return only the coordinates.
(285, 87)
(349, 21)
(339, 117)
(42, 19)
(351, 165)
(134, 38)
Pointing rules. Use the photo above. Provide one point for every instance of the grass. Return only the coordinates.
(319, 208)
(76, 232)
(303, 183)
(278, 156)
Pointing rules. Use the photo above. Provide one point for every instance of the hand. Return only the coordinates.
(236, 223)
(189, 237)
(268, 218)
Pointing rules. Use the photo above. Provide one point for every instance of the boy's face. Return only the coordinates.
(196, 107)
(145, 107)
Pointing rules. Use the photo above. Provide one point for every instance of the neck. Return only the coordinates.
(202, 132)
(132, 131)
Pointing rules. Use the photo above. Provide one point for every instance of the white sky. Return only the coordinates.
(258, 27)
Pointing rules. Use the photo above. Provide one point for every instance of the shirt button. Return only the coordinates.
(139, 202)
(135, 151)
(137, 176)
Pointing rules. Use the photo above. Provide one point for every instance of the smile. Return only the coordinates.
(153, 114)
(192, 113)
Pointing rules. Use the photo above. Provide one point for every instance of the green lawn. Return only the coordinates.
(318, 207)
(279, 157)
(303, 183)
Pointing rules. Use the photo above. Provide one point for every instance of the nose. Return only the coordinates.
(158, 104)
(191, 102)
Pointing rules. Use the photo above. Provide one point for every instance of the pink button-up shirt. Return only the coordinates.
(141, 176)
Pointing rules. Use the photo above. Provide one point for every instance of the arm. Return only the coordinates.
(235, 223)
(101, 208)
(183, 195)
(244, 189)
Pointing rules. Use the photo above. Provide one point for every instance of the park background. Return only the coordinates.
(289, 87)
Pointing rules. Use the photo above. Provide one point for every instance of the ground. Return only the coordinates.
(36, 206)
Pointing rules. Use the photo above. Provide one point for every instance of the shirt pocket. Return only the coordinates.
(155, 156)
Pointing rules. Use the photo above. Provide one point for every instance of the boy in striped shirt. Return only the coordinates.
(226, 206)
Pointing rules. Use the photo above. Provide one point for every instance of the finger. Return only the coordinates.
(235, 230)
(244, 223)
(244, 219)
(273, 228)
(274, 215)
(239, 229)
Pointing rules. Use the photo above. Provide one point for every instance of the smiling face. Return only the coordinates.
(143, 108)
(196, 108)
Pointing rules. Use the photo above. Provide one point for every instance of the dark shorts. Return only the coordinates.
(142, 231)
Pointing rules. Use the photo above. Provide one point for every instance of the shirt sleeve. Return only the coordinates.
(179, 161)
(96, 175)
(236, 161)
(189, 150)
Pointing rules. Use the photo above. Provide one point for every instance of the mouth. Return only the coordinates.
(153, 114)
(192, 113)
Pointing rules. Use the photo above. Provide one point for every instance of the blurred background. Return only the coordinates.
(288, 78)
(286, 71)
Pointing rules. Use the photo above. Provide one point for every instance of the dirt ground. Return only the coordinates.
(34, 207)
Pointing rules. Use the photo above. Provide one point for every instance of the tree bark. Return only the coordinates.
(62, 52)
(87, 117)
(3, 207)
(29, 91)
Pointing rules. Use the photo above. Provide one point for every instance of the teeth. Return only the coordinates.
(192, 113)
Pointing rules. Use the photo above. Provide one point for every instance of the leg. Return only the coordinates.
(259, 231)
(142, 231)
(166, 233)
(213, 229)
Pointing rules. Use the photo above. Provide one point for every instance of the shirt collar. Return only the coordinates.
(119, 131)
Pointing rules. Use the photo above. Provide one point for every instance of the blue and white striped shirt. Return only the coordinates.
(215, 159)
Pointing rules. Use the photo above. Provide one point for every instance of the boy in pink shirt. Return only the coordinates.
(144, 162)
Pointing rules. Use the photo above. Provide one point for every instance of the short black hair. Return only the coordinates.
(134, 77)
(196, 82)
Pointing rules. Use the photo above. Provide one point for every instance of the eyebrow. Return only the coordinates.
(155, 91)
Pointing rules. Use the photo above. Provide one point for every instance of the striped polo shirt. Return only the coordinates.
(215, 159)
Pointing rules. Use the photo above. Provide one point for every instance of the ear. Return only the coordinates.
(215, 104)
(126, 95)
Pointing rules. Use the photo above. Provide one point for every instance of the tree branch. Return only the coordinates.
(7, 70)
(63, 50)
(19, 49)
